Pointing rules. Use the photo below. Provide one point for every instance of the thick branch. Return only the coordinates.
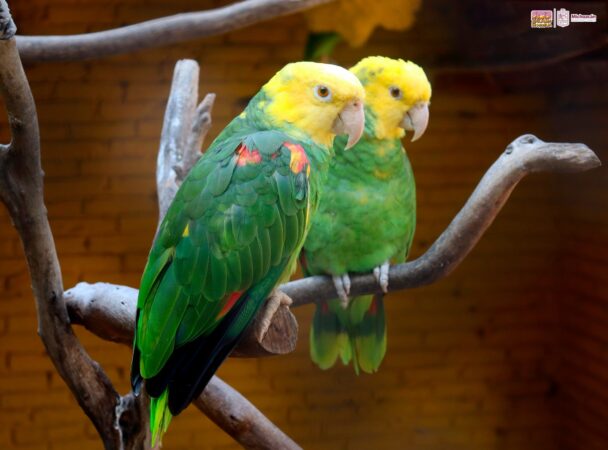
(240, 419)
(157, 32)
(21, 190)
(108, 311)
(525, 155)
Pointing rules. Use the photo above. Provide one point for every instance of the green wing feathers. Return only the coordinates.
(226, 240)
(357, 333)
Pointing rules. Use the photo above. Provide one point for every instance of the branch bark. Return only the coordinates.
(21, 190)
(157, 32)
(108, 311)
(245, 423)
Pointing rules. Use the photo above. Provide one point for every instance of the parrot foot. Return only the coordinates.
(342, 285)
(275, 301)
(381, 275)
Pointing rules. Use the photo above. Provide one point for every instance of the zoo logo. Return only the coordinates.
(546, 18)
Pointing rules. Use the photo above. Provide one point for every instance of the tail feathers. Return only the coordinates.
(357, 333)
(367, 332)
(191, 366)
(328, 338)
(160, 417)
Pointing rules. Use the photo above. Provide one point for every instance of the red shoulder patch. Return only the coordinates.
(247, 156)
(298, 160)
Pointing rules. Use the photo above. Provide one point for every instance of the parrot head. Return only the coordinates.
(398, 95)
(318, 100)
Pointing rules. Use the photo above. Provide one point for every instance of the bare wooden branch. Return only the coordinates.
(274, 330)
(157, 32)
(21, 190)
(177, 129)
(108, 311)
(201, 124)
(525, 155)
(240, 419)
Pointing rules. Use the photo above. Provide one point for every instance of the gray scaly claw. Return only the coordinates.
(381, 275)
(342, 284)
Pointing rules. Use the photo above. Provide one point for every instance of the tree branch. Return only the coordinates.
(21, 190)
(157, 32)
(175, 156)
(240, 419)
(108, 311)
(525, 155)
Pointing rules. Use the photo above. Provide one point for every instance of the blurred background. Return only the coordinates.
(509, 352)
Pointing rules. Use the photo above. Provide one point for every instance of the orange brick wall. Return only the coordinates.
(583, 297)
(473, 362)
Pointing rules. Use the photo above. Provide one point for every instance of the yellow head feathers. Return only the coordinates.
(392, 88)
(310, 96)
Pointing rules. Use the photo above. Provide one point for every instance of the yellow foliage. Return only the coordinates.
(355, 20)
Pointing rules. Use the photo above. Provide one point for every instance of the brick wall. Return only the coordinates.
(474, 362)
(583, 298)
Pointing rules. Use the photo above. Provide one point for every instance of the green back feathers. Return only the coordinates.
(226, 240)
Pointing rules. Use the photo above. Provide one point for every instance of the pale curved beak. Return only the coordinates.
(350, 121)
(416, 119)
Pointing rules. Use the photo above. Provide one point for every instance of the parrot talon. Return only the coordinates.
(273, 303)
(342, 285)
(381, 275)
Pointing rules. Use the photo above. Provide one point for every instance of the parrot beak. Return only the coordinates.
(351, 121)
(416, 119)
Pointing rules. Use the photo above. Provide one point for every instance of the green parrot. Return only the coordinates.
(234, 230)
(367, 215)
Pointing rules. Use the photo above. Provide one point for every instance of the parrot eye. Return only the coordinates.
(395, 92)
(323, 93)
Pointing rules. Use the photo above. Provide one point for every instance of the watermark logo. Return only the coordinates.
(541, 18)
(583, 18)
(562, 18)
(547, 18)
